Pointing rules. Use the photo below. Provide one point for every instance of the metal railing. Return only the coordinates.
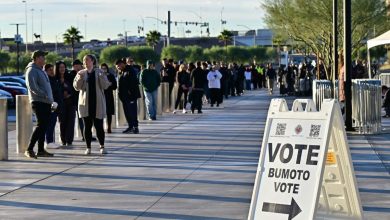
(3, 130)
(385, 79)
(366, 105)
(323, 89)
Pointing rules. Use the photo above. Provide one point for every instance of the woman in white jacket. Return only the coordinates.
(214, 78)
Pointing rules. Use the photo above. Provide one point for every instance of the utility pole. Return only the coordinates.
(347, 64)
(85, 26)
(25, 15)
(17, 41)
(169, 27)
(41, 26)
(32, 26)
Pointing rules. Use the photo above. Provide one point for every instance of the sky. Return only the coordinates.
(102, 19)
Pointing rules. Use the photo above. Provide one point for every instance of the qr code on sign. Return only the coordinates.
(315, 130)
(281, 129)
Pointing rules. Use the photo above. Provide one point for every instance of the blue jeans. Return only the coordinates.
(51, 127)
(248, 84)
(151, 103)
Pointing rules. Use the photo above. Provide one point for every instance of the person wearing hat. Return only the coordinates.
(42, 102)
(128, 93)
(150, 81)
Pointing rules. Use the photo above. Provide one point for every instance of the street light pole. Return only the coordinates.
(41, 26)
(17, 40)
(85, 26)
(32, 26)
(25, 15)
(335, 46)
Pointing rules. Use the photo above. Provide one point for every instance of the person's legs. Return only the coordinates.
(62, 119)
(248, 84)
(41, 110)
(154, 104)
(88, 122)
(81, 122)
(185, 98)
(133, 114)
(70, 121)
(213, 96)
(109, 121)
(149, 103)
(126, 110)
(98, 123)
(178, 98)
(387, 109)
(51, 127)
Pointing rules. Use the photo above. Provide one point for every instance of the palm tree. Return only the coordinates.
(152, 38)
(225, 36)
(72, 36)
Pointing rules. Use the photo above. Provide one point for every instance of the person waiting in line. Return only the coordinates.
(57, 92)
(198, 81)
(248, 78)
(214, 79)
(150, 81)
(67, 114)
(41, 99)
(386, 101)
(109, 95)
(167, 73)
(184, 81)
(271, 76)
(91, 83)
(77, 65)
(128, 93)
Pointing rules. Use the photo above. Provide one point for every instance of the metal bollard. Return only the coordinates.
(159, 101)
(141, 105)
(24, 124)
(165, 97)
(119, 114)
(174, 96)
(4, 130)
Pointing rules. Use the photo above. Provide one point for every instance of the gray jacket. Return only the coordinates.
(38, 84)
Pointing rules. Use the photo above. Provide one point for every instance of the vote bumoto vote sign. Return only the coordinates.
(294, 154)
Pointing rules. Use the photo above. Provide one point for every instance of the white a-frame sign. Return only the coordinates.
(305, 170)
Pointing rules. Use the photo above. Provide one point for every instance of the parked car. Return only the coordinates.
(6, 95)
(13, 79)
(11, 83)
(14, 90)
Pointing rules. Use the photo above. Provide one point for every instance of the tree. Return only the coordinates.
(110, 54)
(310, 22)
(215, 53)
(174, 52)
(194, 53)
(238, 54)
(72, 36)
(258, 53)
(52, 57)
(152, 38)
(82, 53)
(4, 59)
(143, 53)
(24, 59)
(225, 36)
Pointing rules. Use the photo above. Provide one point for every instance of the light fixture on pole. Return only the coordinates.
(32, 26)
(18, 39)
(25, 16)
(85, 27)
(41, 25)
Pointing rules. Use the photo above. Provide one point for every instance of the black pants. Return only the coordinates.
(180, 92)
(67, 120)
(42, 112)
(196, 100)
(215, 96)
(130, 110)
(98, 123)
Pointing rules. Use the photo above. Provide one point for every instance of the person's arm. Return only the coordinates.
(79, 81)
(33, 84)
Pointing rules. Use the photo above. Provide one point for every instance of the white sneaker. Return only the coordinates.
(103, 151)
(52, 146)
(87, 151)
(184, 111)
(174, 111)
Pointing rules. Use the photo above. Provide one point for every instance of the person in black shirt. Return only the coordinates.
(183, 79)
(168, 74)
(198, 82)
(128, 93)
(110, 102)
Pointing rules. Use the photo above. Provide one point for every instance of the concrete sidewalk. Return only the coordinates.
(179, 167)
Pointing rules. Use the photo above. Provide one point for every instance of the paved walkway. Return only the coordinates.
(179, 167)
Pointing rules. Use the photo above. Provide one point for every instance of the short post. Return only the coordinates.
(3, 130)
(141, 105)
(159, 101)
(165, 97)
(119, 114)
(24, 124)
